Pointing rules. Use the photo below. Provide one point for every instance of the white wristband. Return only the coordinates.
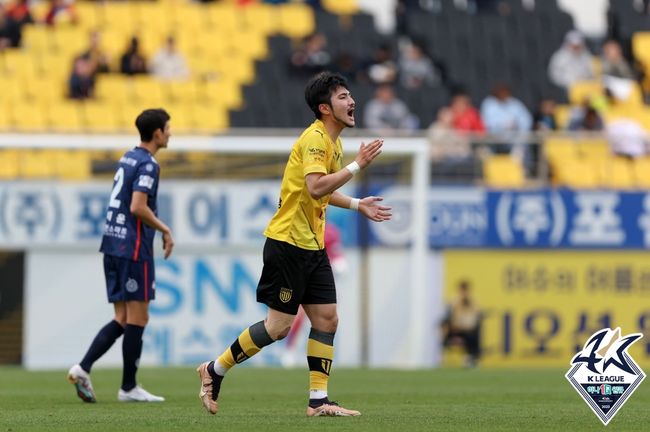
(353, 167)
(354, 203)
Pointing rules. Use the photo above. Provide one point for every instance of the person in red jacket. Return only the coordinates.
(466, 118)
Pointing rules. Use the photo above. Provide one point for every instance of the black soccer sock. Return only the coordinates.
(104, 340)
(131, 350)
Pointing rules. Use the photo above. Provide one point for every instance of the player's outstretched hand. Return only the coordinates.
(367, 152)
(168, 243)
(371, 208)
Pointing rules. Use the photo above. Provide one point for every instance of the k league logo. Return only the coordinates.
(604, 374)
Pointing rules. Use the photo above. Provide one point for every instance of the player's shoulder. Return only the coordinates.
(313, 133)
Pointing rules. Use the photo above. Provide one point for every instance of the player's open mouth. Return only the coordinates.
(351, 113)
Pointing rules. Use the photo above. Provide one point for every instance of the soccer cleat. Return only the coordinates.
(331, 409)
(209, 391)
(81, 381)
(138, 394)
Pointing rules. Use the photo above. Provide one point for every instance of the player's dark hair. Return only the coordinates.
(319, 90)
(149, 121)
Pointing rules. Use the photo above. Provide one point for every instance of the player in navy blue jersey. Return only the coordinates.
(127, 245)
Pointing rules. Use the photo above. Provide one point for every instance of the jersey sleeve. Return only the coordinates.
(146, 177)
(314, 153)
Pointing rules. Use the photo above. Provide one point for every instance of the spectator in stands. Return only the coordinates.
(168, 64)
(627, 138)
(544, 118)
(509, 118)
(82, 79)
(385, 112)
(447, 145)
(346, 65)
(416, 70)
(61, 11)
(585, 118)
(97, 56)
(572, 62)
(381, 69)
(501, 112)
(613, 63)
(132, 61)
(17, 15)
(8, 31)
(312, 56)
(466, 118)
(462, 324)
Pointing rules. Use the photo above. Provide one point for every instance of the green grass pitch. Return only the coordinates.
(275, 400)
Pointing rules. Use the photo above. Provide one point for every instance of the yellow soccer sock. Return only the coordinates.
(249, 343)
(320, 354)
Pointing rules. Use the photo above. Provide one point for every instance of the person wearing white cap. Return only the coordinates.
(572, 62)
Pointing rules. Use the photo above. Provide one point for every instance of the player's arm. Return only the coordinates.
(320, 184)
(141, 210)
(369, 206)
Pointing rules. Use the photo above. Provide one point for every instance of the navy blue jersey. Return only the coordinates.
(125, 235)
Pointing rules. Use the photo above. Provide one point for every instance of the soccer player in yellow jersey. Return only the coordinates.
(296, 269)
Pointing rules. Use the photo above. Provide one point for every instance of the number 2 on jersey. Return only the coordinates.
(119, 182)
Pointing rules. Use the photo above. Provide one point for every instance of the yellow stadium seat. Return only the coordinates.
(237, 69)
(12, 90)
(9, 164)
(88, 16)
(180, 92)
(641, 47)
(66, 117)
(223, 17)
(251, 45)
(52, 66)
(261, 18)
(641, 169)
(68, 41)
(5, 118)
(594, 149)
(576, 173)
(100, 117)
(562, 115)
(72, 164)
(26, 117)
(616, 172)
(18, 64)
(341, 7)
(111, 89)
(221, 92)
(503, 171)
(209, 119)
(558, 148)
(147, 90)
(582, 90)
(35, 38)
(182, 121)
(118, 15)
(296, 20)
(36, 164)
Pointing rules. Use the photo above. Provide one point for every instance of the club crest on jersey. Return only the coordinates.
(604, 373)
(285, 295)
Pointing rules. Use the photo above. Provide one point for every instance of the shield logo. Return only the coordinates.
(285, 295)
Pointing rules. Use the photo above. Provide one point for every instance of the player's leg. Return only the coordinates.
(319, 303)
(289, 357)
(138, 287)
(280, 287)
(79, 374)
(251, 341)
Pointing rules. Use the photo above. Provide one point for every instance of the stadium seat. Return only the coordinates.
(594, 149)
(558, 148)
(72, 164)
(26, 117)
(209, 120)
(9, 169)
(100, 117)
(296, 20)
(66, 117)
(503, 171)
(562, 115)
(36, 164)
(341, 7)
(261, 18)
(616, 172)
(641, 170)
(575, 173)
(585, 90)
(641, 47)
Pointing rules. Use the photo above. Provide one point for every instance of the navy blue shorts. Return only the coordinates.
(292, 276)
(128, 280)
